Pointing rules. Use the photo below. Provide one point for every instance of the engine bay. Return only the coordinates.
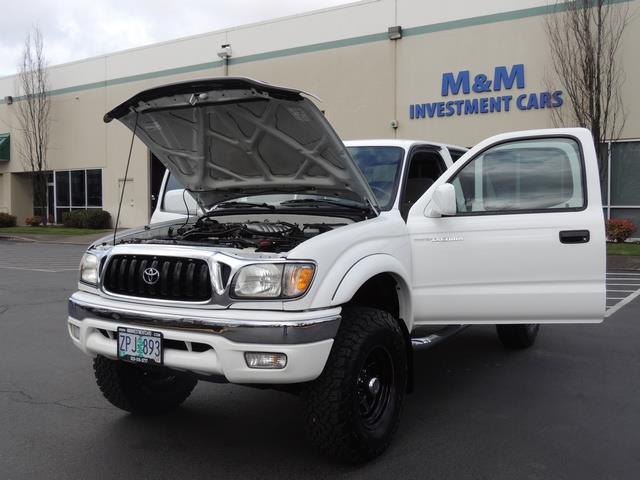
(258, 236)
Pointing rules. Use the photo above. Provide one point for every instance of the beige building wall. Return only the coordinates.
(342, 55)
(5, 200)
(355, 84)
(422, 60)
(21, 195)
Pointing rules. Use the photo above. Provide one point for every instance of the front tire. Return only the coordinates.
(353, 408)
(518, 337)
(140, 390)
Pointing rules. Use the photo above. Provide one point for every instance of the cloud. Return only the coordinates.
(76, 29)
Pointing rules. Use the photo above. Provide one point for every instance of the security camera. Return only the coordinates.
(225, 51)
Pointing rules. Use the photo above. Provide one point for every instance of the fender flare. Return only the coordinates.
(368, 267)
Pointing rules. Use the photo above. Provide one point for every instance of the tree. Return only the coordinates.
(33, 109)
(584, 38)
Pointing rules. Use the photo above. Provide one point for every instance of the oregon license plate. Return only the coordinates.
(140, 346)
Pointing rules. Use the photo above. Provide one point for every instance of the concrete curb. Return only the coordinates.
(623, 262)
(14, 238)
(72, 240)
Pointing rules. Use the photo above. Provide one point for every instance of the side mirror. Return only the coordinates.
(174, 202)
(443, 201)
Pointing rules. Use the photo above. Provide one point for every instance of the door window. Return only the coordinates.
(522, 176)
(424, 169)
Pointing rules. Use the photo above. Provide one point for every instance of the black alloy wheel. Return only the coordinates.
(353, 408)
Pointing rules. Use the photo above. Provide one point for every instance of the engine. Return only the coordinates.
(259, 236)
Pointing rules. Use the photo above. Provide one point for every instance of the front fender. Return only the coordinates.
(368, 267)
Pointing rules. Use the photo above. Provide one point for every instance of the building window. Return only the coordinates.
(94, 188)
(625, 173)
(76, 190)
(621, 189)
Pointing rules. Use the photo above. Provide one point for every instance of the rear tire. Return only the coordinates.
(140, 390)
(353, 408)
(518, 336)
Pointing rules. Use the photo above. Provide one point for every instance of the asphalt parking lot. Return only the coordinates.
(566, 409)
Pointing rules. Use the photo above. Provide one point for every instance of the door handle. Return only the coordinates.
(575, 236)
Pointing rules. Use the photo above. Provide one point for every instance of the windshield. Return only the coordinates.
(381, 167)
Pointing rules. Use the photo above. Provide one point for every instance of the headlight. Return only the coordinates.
(273, 280)
(89, 269)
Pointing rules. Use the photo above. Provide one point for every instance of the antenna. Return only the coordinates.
(124, 183)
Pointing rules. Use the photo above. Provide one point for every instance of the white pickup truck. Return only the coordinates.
(317, 268)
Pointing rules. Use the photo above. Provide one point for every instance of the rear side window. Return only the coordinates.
(456, 154)
(525, 175)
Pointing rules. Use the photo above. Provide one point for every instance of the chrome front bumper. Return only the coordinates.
(222, 336)
(246, 326)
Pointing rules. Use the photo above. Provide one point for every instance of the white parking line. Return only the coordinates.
(619, 305)
(626, 288)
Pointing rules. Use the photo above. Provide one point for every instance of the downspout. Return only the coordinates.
(395, 34)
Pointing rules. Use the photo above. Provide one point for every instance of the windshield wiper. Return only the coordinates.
(317, 202)
(233, 204)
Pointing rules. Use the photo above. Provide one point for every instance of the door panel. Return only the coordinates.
(527, 243)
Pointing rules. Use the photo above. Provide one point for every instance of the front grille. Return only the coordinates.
(183, 279)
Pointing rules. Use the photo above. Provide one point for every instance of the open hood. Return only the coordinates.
(225, 138)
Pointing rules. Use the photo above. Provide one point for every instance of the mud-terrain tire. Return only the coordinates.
(353, 408)
(140, 390)
(518, 337)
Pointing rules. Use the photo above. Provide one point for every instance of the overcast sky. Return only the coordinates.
(75, 29)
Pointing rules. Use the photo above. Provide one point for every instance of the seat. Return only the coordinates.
(416, 188)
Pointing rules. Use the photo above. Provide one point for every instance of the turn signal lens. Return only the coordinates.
(297, 279)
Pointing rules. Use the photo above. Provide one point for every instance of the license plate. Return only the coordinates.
(139, 346)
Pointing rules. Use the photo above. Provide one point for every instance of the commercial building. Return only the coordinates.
(453, 72)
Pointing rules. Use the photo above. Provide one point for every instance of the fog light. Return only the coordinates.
(270, 360)
(74, 331)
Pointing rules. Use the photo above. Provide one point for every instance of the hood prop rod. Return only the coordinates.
(124, 182)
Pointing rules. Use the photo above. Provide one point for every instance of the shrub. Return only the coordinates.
(74, 219)
(98, 219)
(87, 219)
(33, 221)
(7, 220)
(619, 229)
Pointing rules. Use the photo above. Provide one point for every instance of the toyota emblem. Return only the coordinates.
(151, 276)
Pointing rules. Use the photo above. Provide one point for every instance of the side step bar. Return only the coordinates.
(424, 343)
